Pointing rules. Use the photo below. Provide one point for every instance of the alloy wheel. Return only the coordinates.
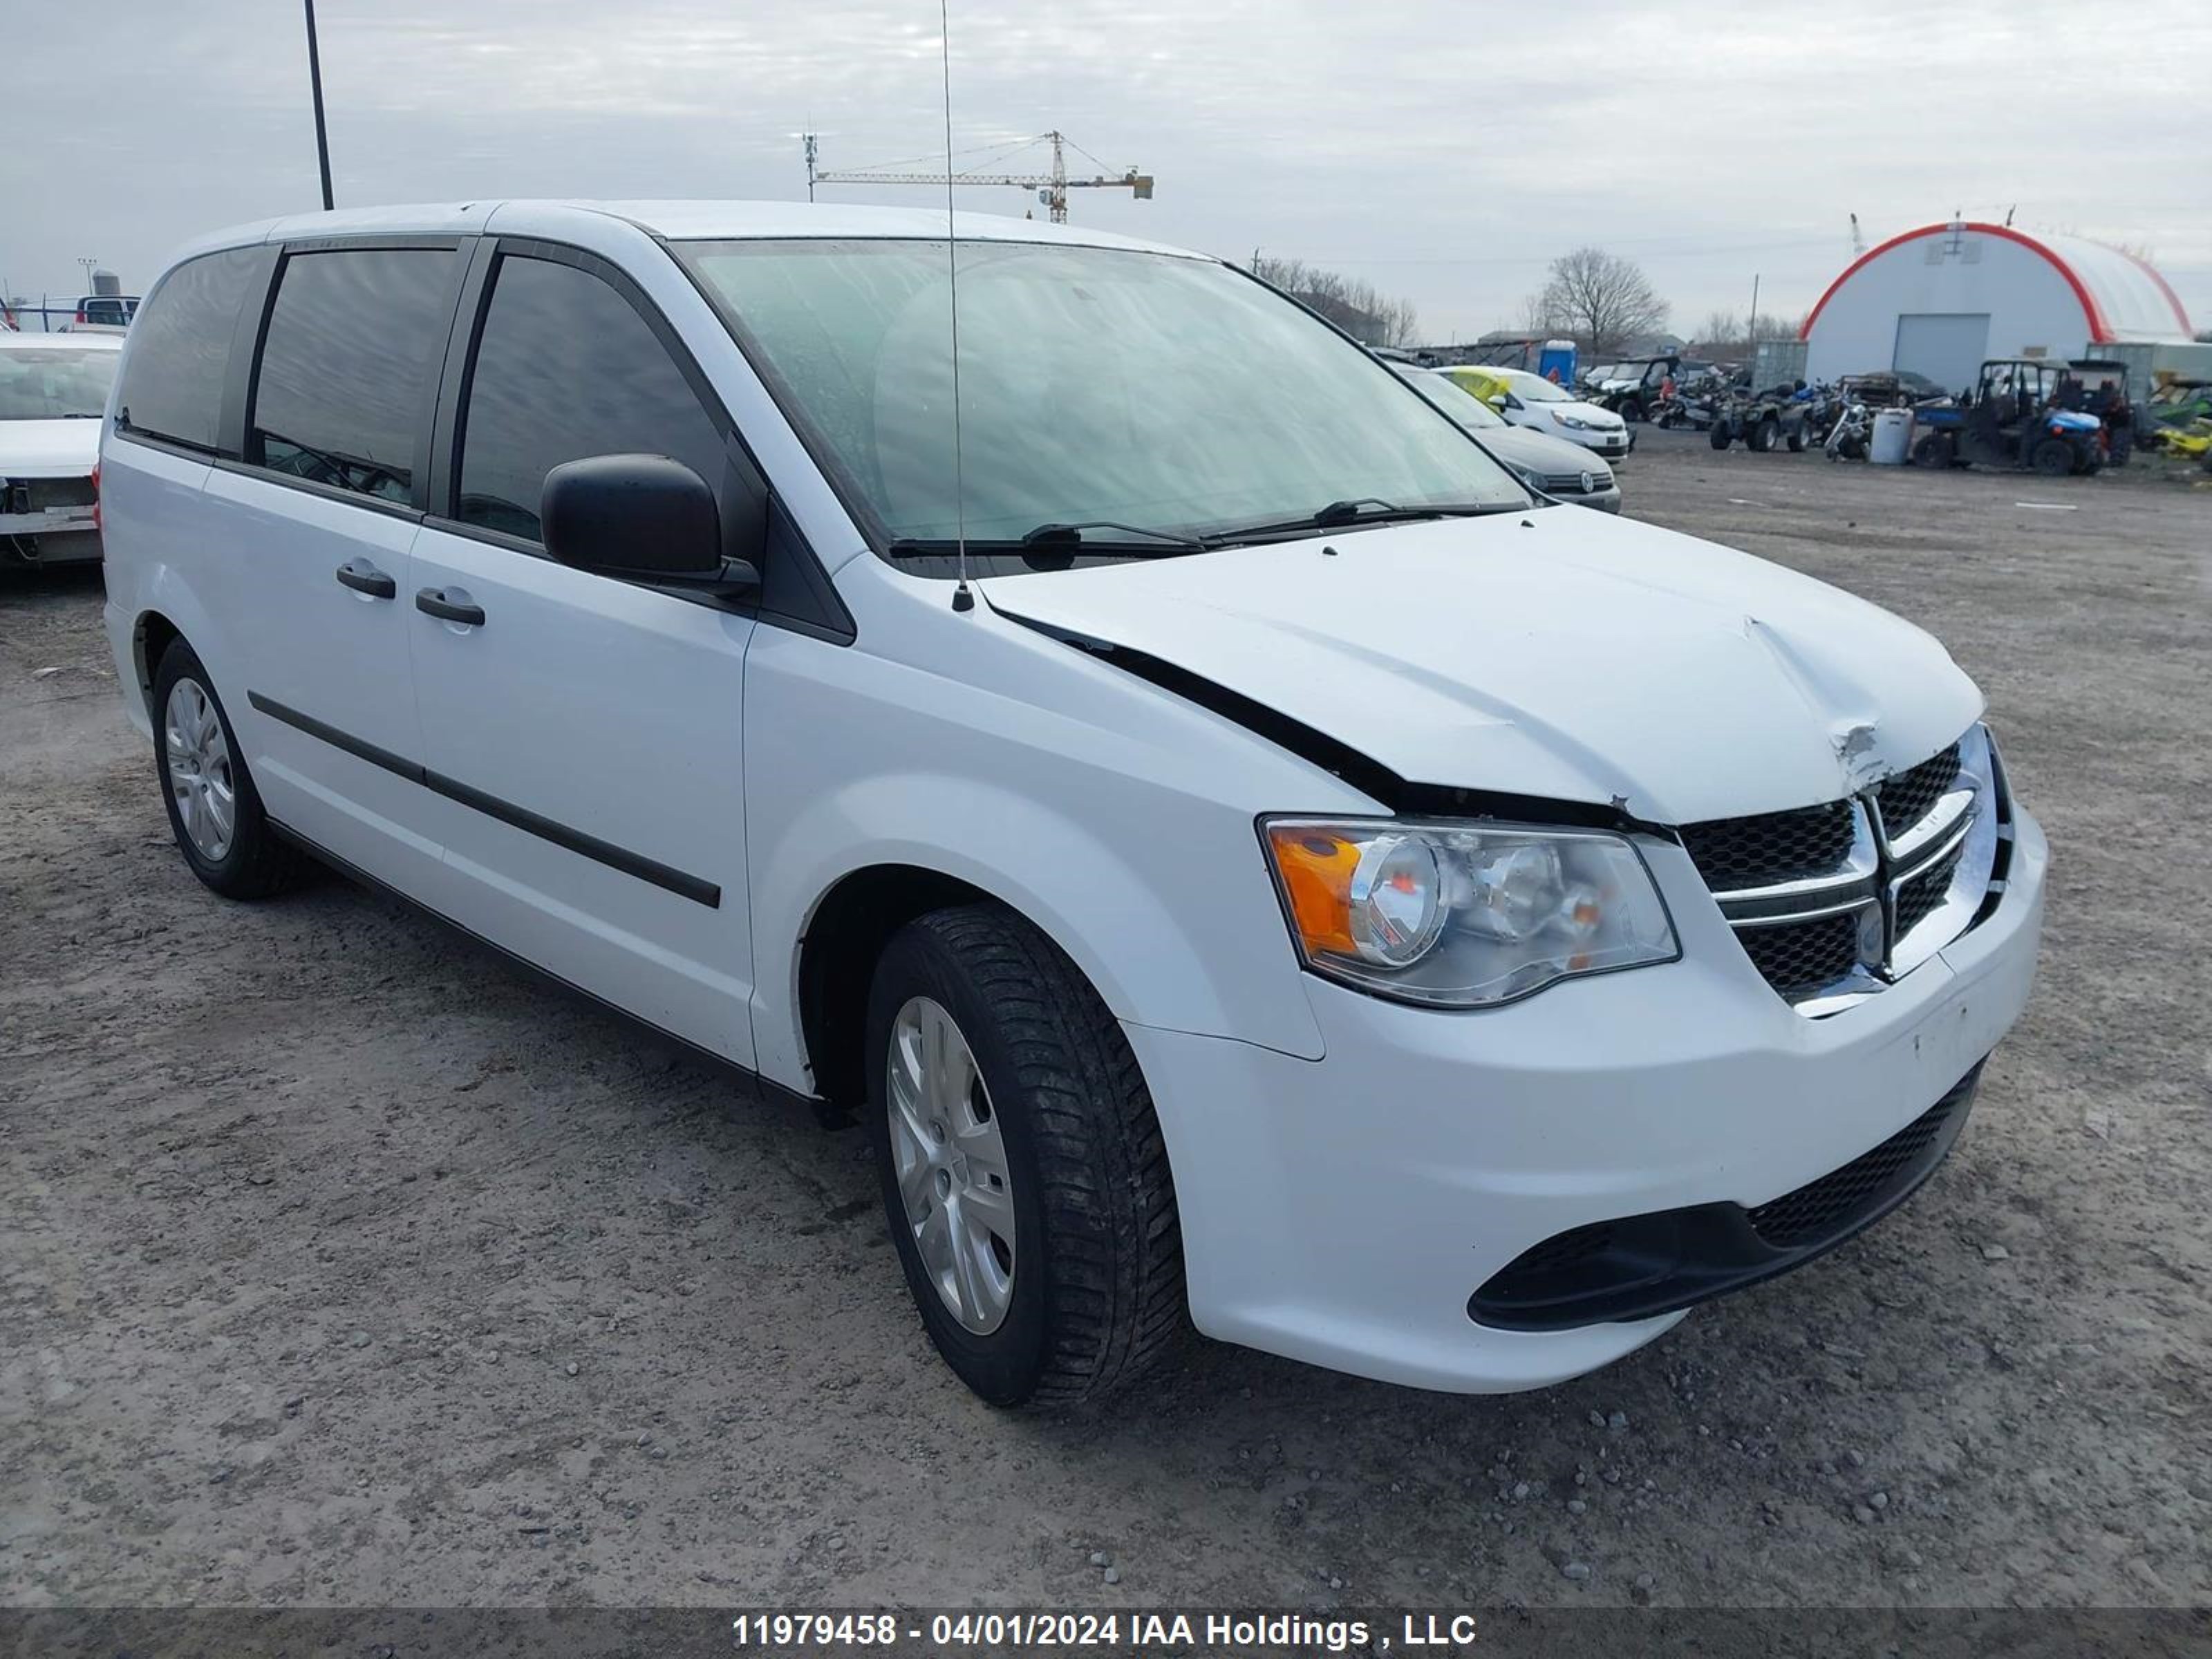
(954, 1181)
(200, 780)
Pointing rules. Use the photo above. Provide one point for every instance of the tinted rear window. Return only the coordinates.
(180, 347)
(348, 366)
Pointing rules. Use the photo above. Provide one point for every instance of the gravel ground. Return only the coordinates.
(341, 1263)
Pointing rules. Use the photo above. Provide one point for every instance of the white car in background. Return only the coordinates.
(1562, 470)
(1531, 401)
(53, 388)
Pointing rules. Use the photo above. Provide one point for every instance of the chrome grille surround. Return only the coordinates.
(1900, 882)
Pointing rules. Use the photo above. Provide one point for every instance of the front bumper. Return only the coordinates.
(1611, 445)
(49, 520)
(1343, 1212)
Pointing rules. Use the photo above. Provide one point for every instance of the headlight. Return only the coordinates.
(1576, 422)
(1463, 916)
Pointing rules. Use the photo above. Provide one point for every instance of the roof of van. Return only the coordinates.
(675, 220)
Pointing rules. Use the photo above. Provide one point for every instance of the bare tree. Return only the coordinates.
(1727, 332)
(1600, 298)
(1354, 305)
(1720, 328)
(1536, 316)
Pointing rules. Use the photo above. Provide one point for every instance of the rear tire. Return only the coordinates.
(1088, 1292)
(214, 810)
(1762, 437)
(1932, 451)
(1719, 435)
(1796, 439)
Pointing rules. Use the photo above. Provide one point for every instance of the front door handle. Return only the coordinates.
(434, 601)
(363, 577)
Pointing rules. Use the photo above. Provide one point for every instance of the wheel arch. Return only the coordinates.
(846, 934)
(151, 636)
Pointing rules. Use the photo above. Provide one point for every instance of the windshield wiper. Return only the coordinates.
(1130, 540)
(1365, 510)
(1045, 533)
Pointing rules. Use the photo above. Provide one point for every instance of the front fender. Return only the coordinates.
(1156, 943)
(1119, 819)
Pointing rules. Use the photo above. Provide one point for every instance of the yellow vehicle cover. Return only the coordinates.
(1483, 383)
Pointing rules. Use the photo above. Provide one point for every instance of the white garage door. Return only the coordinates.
(1946, 346)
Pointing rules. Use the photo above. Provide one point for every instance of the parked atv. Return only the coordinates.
(1766, 420)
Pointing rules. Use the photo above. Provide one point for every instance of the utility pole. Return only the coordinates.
(315, 81)
(1751, 328)
(809, 137)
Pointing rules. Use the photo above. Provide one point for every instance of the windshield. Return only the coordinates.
(1103, 387)
(1455, 400)
(54, 383)
(1536, 389)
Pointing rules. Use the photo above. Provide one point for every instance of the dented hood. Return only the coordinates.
(1557, 652)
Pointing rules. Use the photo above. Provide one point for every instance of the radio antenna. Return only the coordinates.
(962, 598)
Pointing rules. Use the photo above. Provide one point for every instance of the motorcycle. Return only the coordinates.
(1669, 414)
(1851, 435)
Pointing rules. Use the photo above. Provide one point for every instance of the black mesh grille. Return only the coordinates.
(1797, 957)
(1920, 896)
(1771, 847)
(1569, 483)
(1822, 1207)
(1638, 1266)
(1910, 796)
(1564, 1250)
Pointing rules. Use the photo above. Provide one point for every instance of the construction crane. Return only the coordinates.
(1051, 187)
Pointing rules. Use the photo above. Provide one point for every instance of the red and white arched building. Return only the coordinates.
(1939, 300)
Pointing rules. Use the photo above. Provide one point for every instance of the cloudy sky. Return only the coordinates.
(1444, 149)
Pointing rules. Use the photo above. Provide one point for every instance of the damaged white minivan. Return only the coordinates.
(1298, 884)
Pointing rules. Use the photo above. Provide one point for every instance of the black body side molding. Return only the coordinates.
(695, 888)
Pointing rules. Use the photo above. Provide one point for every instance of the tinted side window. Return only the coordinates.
(181, 348)
(566, 369)
(347, 370)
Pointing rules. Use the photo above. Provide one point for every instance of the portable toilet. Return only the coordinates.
(1557, 364)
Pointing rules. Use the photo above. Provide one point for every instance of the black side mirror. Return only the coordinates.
(645, 517)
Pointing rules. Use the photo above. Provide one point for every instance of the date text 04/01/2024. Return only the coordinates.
(1168, 1630)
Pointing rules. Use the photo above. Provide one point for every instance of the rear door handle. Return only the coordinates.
(434, 601)
(363, 577)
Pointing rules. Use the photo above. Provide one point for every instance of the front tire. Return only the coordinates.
(214, 810)
(2053, 457)
(1720, 437)
(1023, 1174)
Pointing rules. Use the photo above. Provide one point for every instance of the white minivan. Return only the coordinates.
(1297, 884)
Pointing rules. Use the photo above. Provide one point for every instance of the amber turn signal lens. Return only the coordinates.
(1316, 869)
